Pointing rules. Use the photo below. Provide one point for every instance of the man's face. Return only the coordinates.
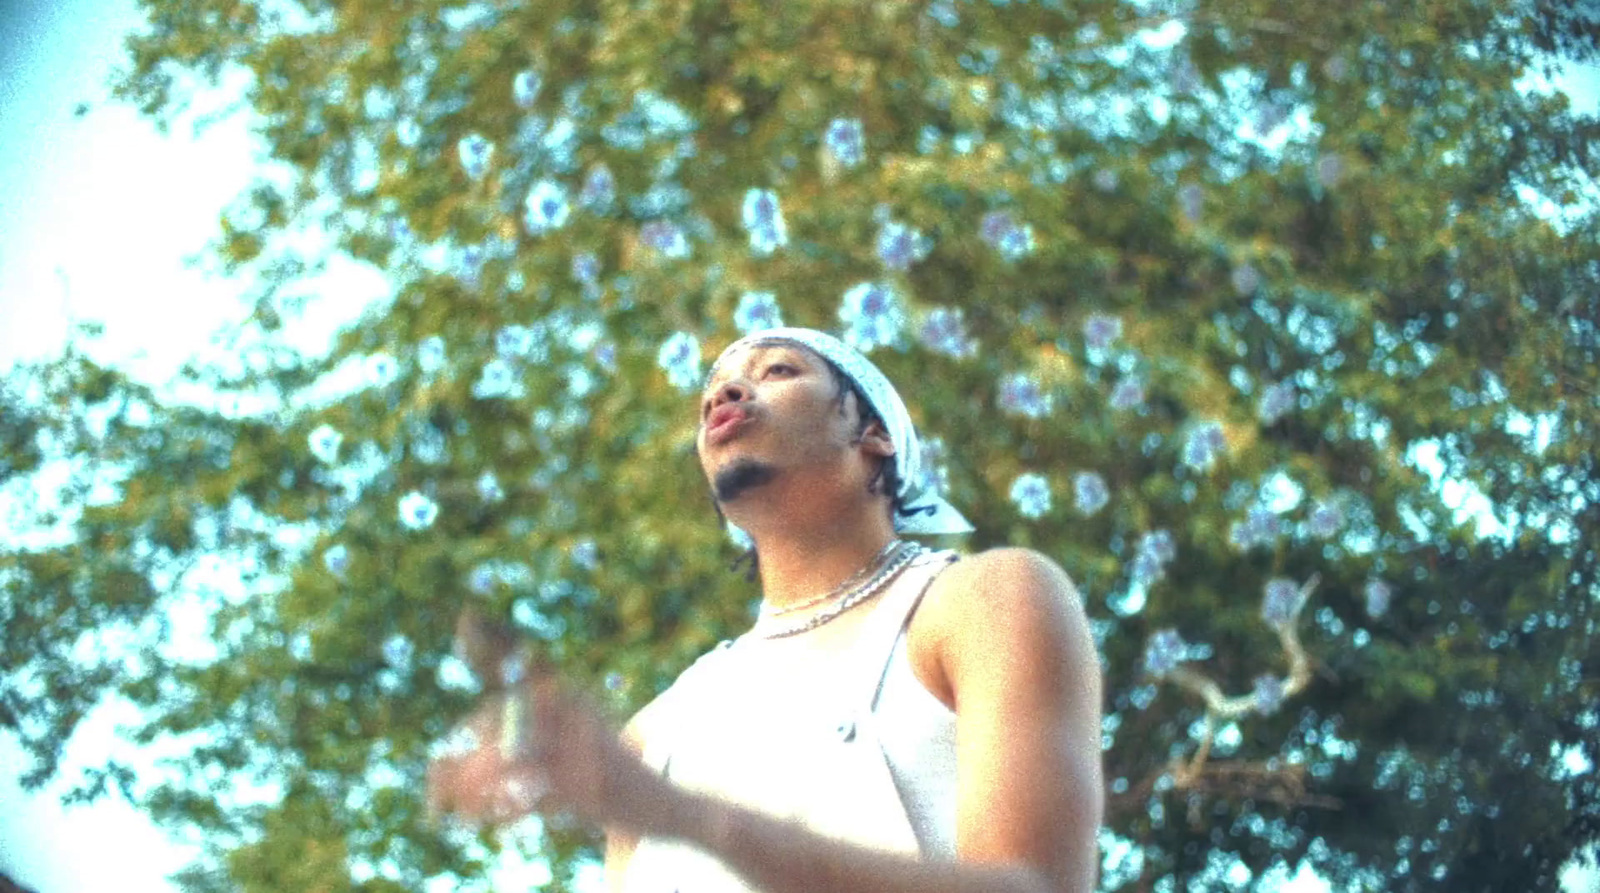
(772, 409)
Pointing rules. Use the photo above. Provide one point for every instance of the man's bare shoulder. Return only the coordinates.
(1000, 579)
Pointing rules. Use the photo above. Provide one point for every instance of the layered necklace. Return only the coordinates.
(860, 586)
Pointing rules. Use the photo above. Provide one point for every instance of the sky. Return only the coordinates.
(99, 214)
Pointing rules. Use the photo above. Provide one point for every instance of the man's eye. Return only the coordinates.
(783, 368)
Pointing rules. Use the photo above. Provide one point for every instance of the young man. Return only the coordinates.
(896, 719)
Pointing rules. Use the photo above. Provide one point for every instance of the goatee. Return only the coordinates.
(740, 478)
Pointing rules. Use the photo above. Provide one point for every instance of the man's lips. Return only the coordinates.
(724, 422)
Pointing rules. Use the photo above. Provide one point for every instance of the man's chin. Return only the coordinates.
(739, 477)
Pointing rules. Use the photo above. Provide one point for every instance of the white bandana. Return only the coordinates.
(930, 513)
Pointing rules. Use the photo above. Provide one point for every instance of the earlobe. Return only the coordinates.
(877, 441)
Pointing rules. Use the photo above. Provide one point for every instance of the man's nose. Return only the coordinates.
(730, 392)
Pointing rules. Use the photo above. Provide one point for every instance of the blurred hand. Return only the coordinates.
(565, 757)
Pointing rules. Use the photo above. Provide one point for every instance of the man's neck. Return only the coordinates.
(803, 561)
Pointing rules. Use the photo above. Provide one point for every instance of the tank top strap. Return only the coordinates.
(889, 620)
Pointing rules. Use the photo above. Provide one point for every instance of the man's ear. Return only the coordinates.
(875, 439)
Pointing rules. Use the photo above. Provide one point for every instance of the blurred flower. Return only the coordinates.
(757, 310)
(1003, 233)
(1245, 279)
(381, 370)
(513, 341)
(1105, 179)
(1377, 595)
(680, 357)
(475, 153)
(489, 489)
(845, 141)
(599, 189)
(872, 316)
(397, 651)
(763, 219)
(586, 268)
(935, 466)
(1021, 395)
(337, 560)
(1031, 494)
(417, 511)
(430, 354)
(324, 443)
(944, 12)
(497, 380)
(1191, 198)
(1326, 520)
(585, 554)
(1128, 393)
(1099, 330)
(665, 237)
(1163, 651)
(1204, 443)
(1260, 527)
(944, 331)
(1268, 694)
(900, 246)
(1276, 401)
(1089, 492)
(1330, 170)
(546, 207)
(1282, 601)
(525, 88)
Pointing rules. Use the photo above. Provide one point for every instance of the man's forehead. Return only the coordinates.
(743, 355)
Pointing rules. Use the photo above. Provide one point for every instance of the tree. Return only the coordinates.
(1233, 312)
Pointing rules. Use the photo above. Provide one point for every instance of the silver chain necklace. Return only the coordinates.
(903, 556)
(850, 582)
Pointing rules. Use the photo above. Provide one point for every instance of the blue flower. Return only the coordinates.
(900, 246)
(1191, 199)
(382, 370)
(1031, 494)
(1268, 693)
(1159, 545)
(1281, 602)
(763, 218)
(525, 88)
(1377, 595)
(757, 310)
(586, 268)
(337, 560)
(872, 316)
(324, 443)
(489, 487)
(1275, 402)
(1245, 279)
(585, 554)
(1261, 527)
(1021, 395)
(498, 380)
(397, 651)
(1326, 520)
(1204, 443)
(599, 189)
(845, 141)
(1128, 393)
(680, 357)
(1164, 650)
(1099, 330)
(431, 354)
(475, 153)
(547, 207)
(665, 237)
(945, 331)
(515, 341)
(1090, 493)
(417, 511)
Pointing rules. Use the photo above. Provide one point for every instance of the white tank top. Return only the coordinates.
(865, 754)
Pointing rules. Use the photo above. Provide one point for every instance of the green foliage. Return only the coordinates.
(1195, 253)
